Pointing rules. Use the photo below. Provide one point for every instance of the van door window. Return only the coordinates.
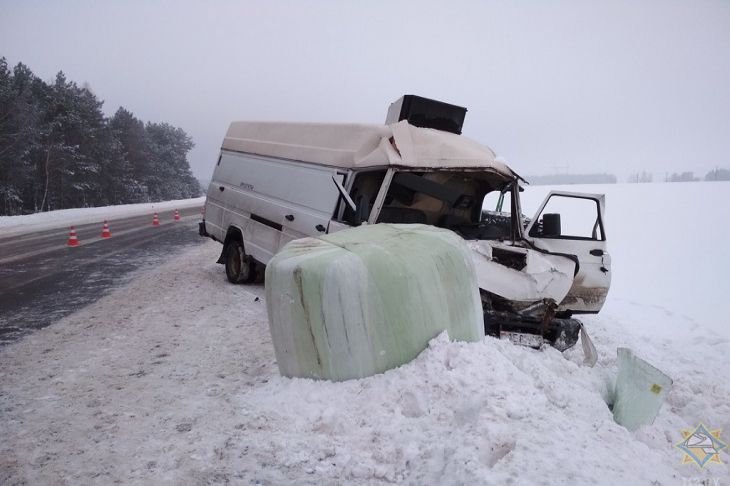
(497, 202)
(364, 190)
(495, 219)
(569, 217)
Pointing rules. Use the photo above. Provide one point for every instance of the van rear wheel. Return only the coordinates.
(240, 268)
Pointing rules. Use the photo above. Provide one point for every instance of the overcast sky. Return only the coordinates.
(615, 86)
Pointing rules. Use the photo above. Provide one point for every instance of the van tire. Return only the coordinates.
(240, 268)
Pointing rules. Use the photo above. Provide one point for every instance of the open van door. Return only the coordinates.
(572, 223)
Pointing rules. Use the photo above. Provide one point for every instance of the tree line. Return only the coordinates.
(687, 176)
(58, 150)
(553, 179)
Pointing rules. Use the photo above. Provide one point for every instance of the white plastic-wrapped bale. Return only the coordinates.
(364, 300)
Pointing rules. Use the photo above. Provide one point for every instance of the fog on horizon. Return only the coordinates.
(618, 87)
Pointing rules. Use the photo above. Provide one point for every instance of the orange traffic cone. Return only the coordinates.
(72, 240)
(177, 215)
(155, 221)
(105, 233)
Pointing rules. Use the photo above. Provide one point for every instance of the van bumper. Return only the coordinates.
(201, 229)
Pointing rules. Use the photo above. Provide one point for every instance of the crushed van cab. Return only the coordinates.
(276, 182)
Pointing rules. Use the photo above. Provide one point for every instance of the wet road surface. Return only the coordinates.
(42, 280)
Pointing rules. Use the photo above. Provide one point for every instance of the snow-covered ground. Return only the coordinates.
(172, 379)
(11, 225)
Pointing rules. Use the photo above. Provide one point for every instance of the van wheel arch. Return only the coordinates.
(234, 234)
(240, 267)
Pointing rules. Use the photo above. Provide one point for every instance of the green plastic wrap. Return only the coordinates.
(364, 300)
(640, 391)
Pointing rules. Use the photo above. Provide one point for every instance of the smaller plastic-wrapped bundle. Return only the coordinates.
(640, 391)
(367, 299)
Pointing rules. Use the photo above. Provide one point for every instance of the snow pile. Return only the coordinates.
(487, 412)
(63, 217)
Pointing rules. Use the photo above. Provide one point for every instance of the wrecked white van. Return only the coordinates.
(276, 182)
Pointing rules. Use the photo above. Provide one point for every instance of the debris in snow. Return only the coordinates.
(184, 427)
(640, 391)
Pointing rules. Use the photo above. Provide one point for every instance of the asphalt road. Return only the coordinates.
(42, 280)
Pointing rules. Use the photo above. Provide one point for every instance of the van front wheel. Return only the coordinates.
(239, 266)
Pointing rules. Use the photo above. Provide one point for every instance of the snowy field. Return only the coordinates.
(171, 379)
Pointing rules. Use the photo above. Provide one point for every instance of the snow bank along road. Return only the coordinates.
(42, 280)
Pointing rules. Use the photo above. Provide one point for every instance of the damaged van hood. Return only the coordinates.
(521, 276)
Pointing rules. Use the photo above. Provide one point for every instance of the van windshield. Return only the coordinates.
(447, 199)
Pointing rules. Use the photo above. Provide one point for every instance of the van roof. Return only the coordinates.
(359, 145)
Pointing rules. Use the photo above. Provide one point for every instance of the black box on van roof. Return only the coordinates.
(427, 113)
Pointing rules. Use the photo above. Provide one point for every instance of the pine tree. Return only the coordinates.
(57, 150)
(131, 135)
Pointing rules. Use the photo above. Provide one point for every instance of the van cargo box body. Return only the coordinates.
(427, 113)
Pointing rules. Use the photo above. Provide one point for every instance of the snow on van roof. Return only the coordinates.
(360, 145)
